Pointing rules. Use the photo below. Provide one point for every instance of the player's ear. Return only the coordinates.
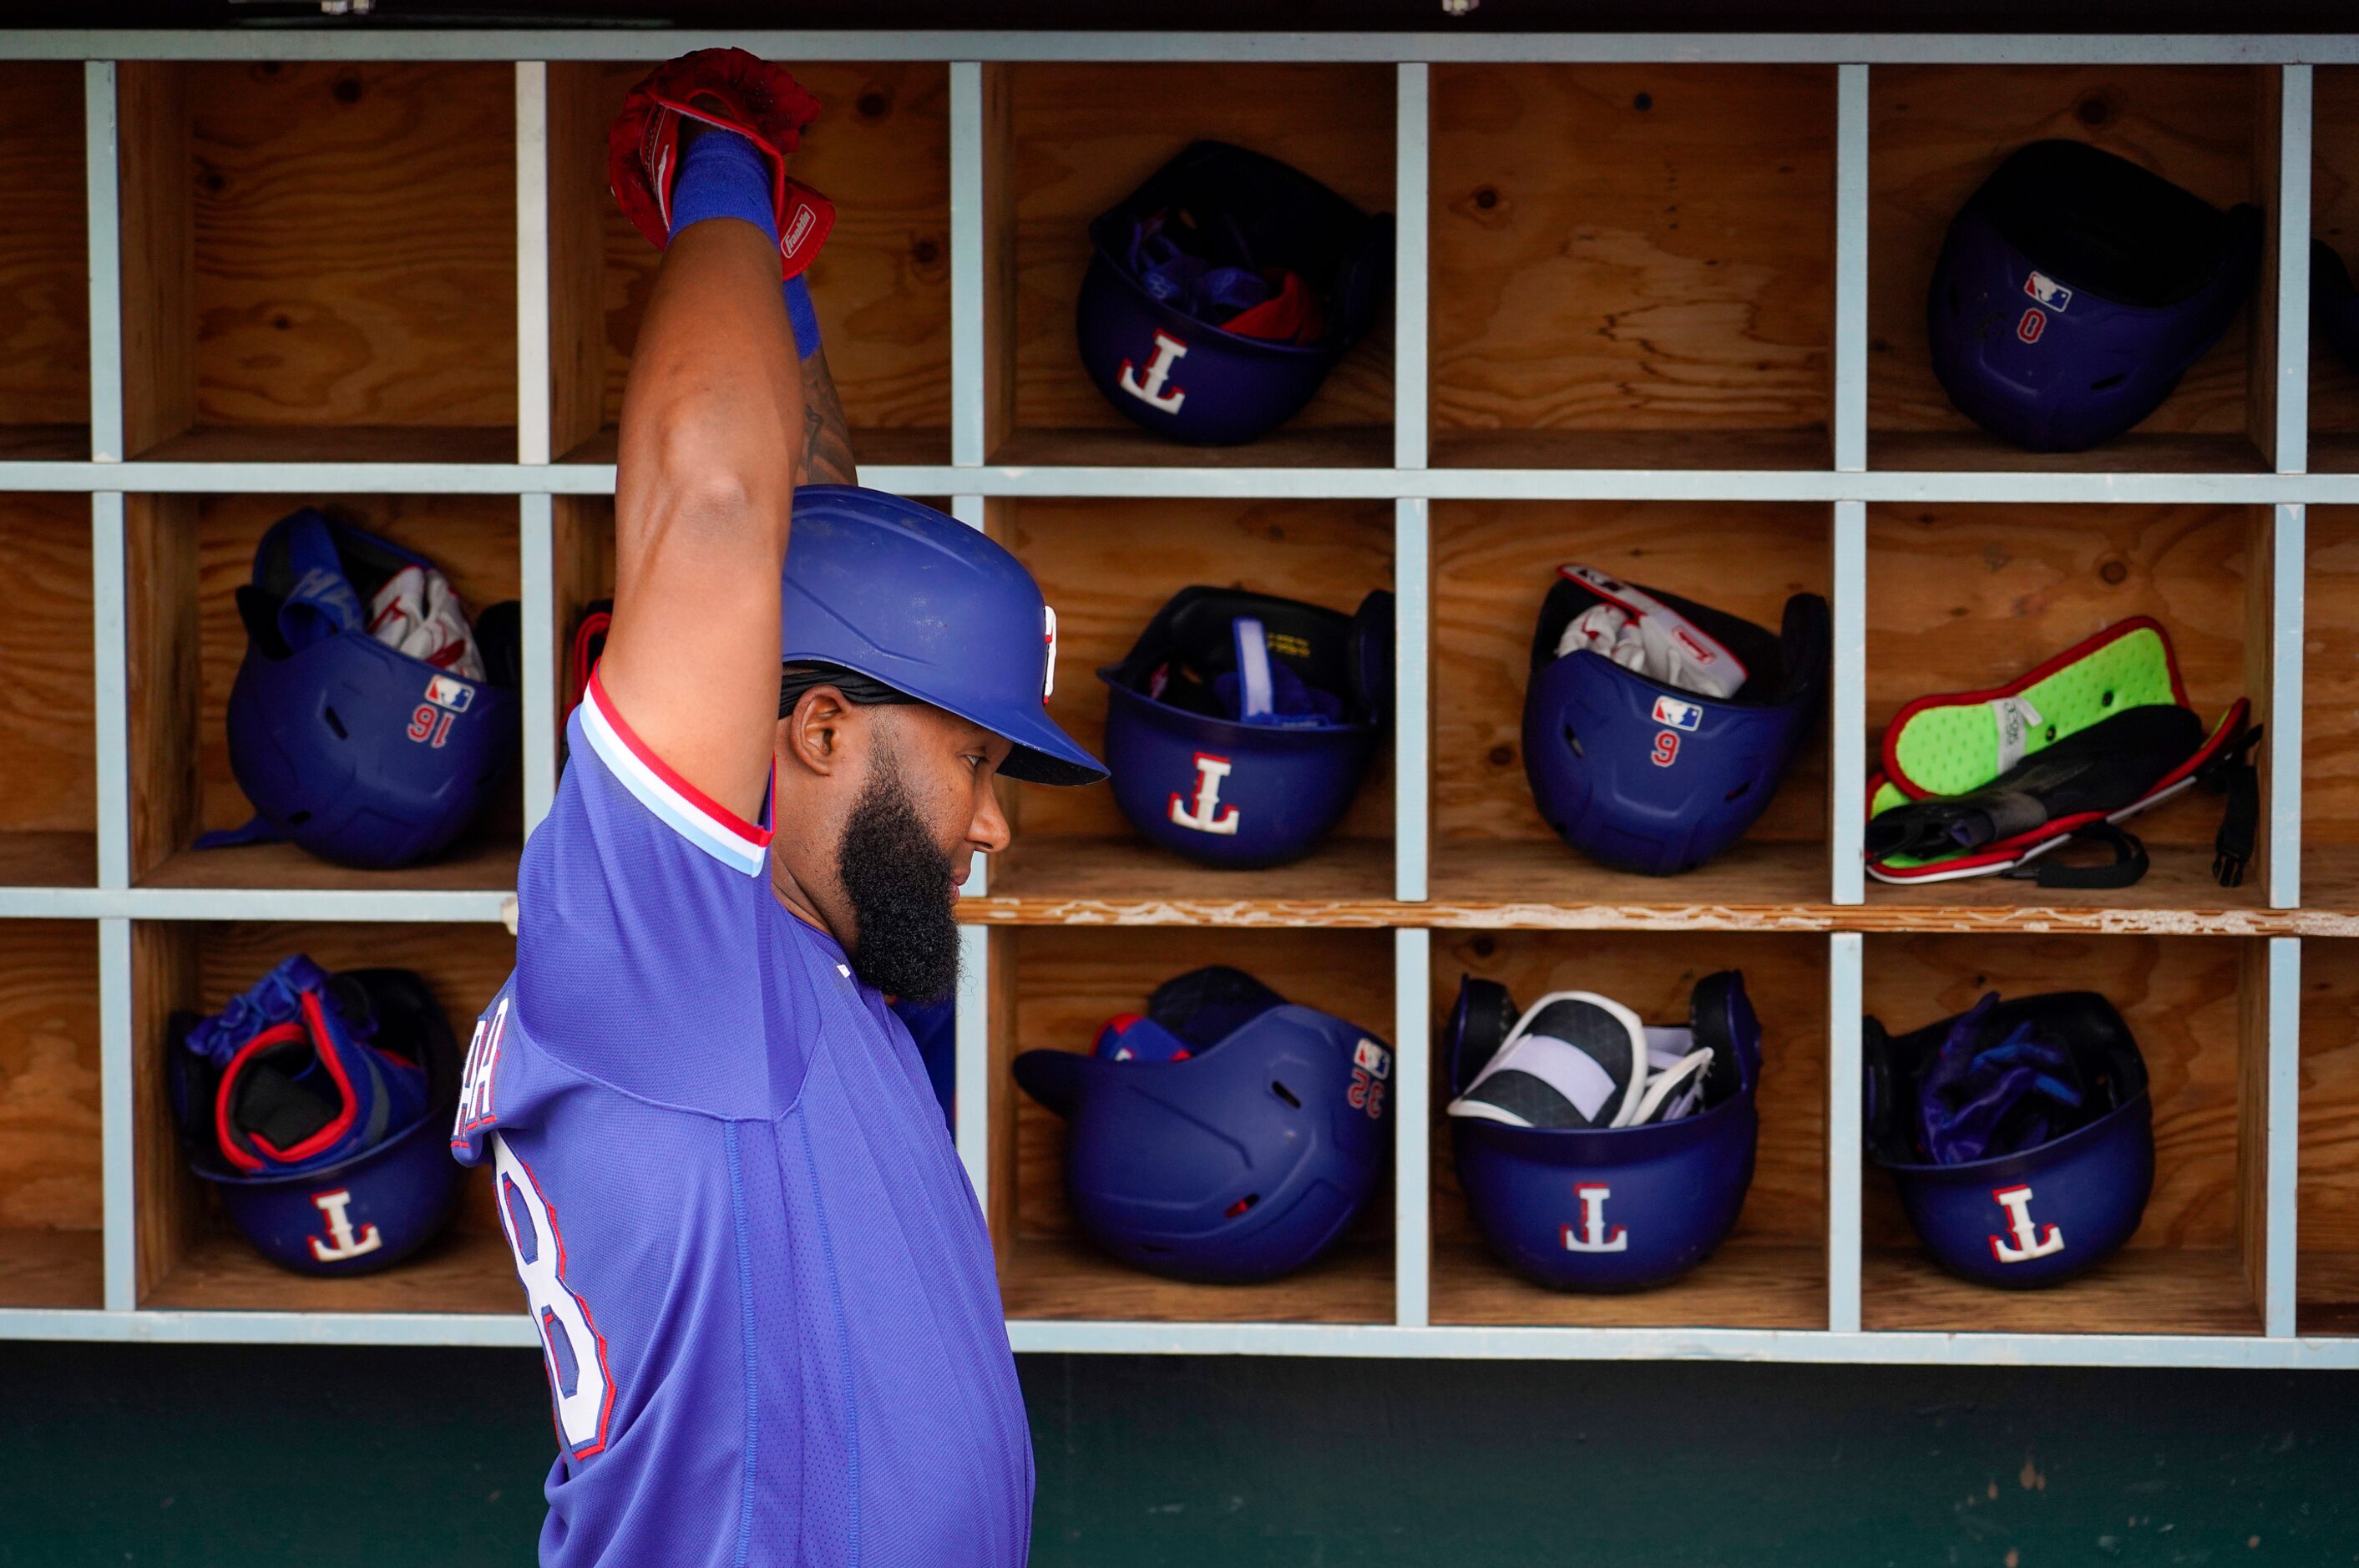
(814, 734)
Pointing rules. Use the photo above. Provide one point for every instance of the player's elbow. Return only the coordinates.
(711, 487)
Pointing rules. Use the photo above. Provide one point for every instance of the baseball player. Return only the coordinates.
(772, 1328)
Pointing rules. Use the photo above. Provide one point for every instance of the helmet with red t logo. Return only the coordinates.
(2019, 1134)
(1239, 726)
(1599, 1153)
(317, 1106)
(1222, 291)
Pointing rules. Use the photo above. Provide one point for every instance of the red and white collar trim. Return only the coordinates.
(690, 811)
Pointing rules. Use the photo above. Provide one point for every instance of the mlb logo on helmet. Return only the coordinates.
(2048, 291)
(1677, 716)
(449, 692)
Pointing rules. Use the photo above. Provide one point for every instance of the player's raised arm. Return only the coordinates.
(713, 419)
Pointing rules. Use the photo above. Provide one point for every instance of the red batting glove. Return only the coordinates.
(737, 92)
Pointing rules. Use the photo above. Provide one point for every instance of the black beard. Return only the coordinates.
(898, 880)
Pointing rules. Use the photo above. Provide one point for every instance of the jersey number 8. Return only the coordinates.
(579, 1382)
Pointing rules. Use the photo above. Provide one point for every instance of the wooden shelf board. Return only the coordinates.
(886, 446)
(1069, 1279)
(1327, 446)
(1748, 1283)
(1640, 449)
(335, 443)
(2326, 1293)
(52, 1268)
(1524, 884)
(48, 859)
(1533, 882)
(472, 865)
(1127, 881)
(2139, 1289)
(2177, 895)
(464, 1271)
(44, 443)
(1976, 451)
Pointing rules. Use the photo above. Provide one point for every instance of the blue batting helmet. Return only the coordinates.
(2019, 1134)
(1226, 1135)
(1239, 724)
(930, 607)
(318, 1106)
(1598, 1154)
(2075, 289)
(1651, 776)
(359, 752)
(1222, 291)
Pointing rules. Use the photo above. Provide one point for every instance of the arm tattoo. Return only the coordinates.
(827, 440)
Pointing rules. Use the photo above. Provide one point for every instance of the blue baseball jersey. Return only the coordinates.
(766, 1297)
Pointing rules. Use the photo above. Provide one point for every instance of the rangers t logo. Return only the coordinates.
(1048, 637)
(2030, 1242)
(342, 1244)
(1168, 351)
(1593, 1236)
(1205, 815)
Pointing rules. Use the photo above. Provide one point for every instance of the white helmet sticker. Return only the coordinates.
(1048, 670)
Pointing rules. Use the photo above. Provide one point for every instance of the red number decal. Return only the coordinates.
(442, 730)
(1666, 749)
(421, 723)
(2034, 322)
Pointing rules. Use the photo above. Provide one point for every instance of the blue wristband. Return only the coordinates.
(724, 176)
(805, 317)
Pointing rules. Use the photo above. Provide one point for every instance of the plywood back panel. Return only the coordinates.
(2327, 1190)
(1494, 563)
(880, 148)
(1961, 598)
(354, 243)
(50, 1141)
(44, 269)
(1655, 975)
(47, 777)
(1632, 247)
(2329, 732)
(1107, 567)
(1070, 980)
(2182, 999)
(1087, 135)
(472, 539)
(1935, 133)
(2334, 219)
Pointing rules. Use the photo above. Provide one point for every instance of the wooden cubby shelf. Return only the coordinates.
(1662, 313)
(318, 261)
(2197, 1009)
(51, 1226)
(186, 555)
(1935, 133)
(187, 1254)
(1771, 1271)
(1690, 211)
